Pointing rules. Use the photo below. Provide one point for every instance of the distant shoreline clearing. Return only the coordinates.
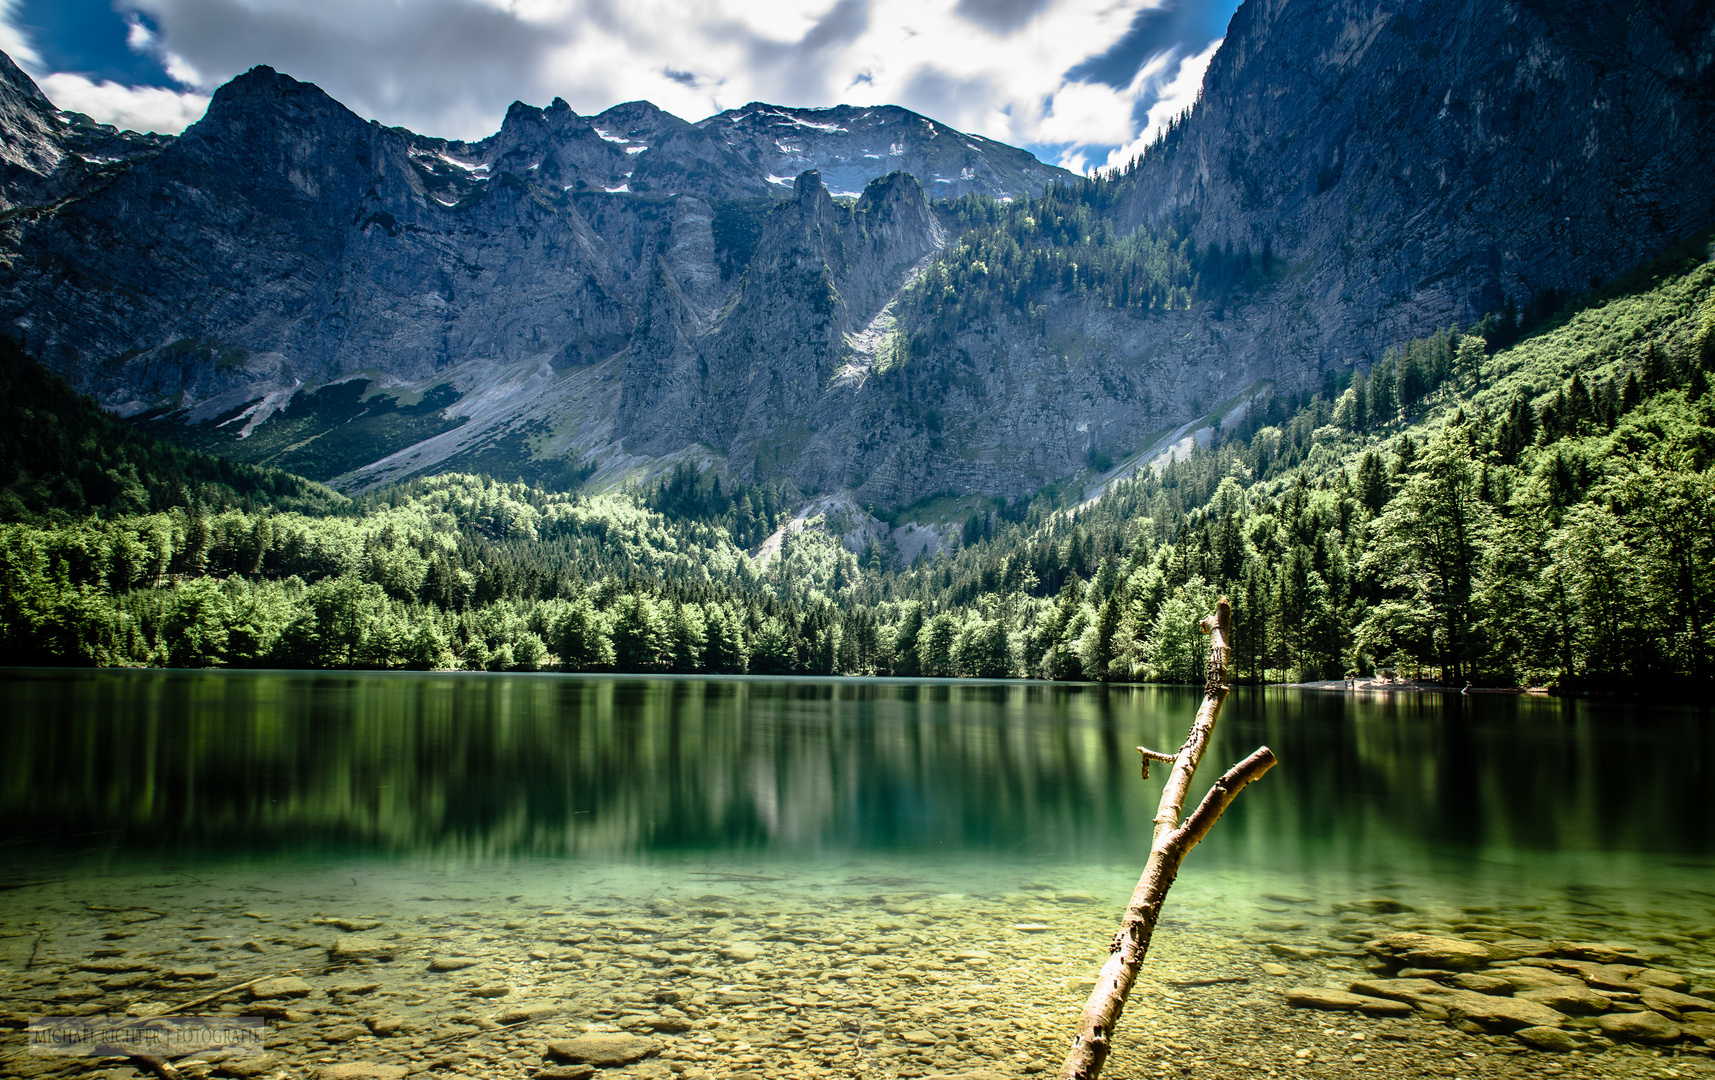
(1408, 686)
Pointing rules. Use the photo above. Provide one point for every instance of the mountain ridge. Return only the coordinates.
(611, 296)
(1493, 188)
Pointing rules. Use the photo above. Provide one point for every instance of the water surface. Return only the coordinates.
(434, 802)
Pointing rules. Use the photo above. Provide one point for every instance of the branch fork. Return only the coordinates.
(1149, 755)
(1171, 841)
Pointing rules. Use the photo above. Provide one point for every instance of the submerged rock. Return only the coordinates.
(289, 986)
(525, 1011)
(1572, 1000)
(1296, 952)
(349, 925)
(1428, 951)
(453, 963)
(1552, 1039)
(385, 1027)
(1658, 999)
(362, 1070)
(1375, 905)
(1532, 978)
(1645, 1027)
(1663, 979)
(1483, 983)
(604, 1049)
(1700, 1027)
(360, 948)
(1322, 997)
(1408, 990)
(1499, 1015)
(244, 1068)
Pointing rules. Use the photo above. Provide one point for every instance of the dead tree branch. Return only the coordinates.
(1171, 842)
(1149, 755)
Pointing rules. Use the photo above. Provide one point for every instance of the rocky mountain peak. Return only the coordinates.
(263, 87)
(32, 148)
(1458, 157)
(14, 83)
(271, 125)
(850, 145)
(808, 185)
(628, 290)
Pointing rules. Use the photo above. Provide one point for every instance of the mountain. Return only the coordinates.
(1427, 162)
(285, 267)
(47, 155)
(859, 303)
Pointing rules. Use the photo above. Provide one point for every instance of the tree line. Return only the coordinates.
(1540, 512)
(1013, 258)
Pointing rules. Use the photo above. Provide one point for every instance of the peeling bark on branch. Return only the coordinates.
(1172, 840)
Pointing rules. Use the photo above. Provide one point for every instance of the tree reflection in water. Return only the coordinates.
(501, 766)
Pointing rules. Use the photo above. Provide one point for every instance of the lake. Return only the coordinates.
(842, 877)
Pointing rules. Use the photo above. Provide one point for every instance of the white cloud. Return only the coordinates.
(133, 108)
(1177, 95)
(450, 67)
(12, 40)
(1087, 113)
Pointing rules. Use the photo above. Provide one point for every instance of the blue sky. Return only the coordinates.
(1079, 82)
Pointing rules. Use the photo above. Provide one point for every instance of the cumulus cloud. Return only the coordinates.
(133, 108)
(13, 41)
(1073, 79)
(1173, 95)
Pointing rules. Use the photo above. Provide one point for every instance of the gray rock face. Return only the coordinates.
(283, 242)
(851, 145)
(46, 155)
(1424, 161)
(631, 289)
(768, 382)
(31, 152)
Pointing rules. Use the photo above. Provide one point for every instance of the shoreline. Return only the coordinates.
(1375, 686)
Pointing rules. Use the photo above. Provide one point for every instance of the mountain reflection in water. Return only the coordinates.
(484, 766)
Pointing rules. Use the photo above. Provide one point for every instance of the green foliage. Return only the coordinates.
(749, 515)
(62, 457)
(1544, 512)
(322, 433)
(1015, 257)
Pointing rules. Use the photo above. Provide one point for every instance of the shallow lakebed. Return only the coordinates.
(537, 875)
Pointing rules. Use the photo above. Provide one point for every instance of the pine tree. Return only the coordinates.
(1383, 404)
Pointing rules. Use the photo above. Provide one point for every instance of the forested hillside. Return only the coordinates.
(61, 457)
(1015, 256)
(1543, 510)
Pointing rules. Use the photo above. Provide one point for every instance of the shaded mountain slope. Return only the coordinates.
(610, 296)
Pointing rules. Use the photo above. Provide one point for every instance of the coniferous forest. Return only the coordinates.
(1529, 500)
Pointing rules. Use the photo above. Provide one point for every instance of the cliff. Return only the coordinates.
(767, 292)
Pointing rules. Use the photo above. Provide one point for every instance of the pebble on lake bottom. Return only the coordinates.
(656, 975)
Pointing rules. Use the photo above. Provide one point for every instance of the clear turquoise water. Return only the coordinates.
(217, 828)
(1582, 807)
